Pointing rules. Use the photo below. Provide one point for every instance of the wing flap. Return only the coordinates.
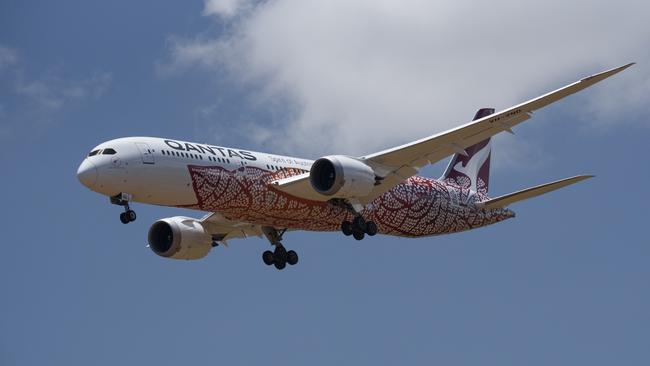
(505, 200)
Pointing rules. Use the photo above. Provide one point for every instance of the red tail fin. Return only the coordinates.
(472, 170)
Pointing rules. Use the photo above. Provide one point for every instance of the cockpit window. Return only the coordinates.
(94, 152)
(109, 151)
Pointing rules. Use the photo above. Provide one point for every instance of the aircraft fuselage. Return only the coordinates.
(237, 184)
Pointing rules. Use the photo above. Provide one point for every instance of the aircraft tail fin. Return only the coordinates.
(470, 167)
(505, 200)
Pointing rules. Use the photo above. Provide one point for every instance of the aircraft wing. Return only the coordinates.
(399, 163)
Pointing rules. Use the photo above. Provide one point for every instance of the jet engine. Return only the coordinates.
(179, 238)
(341, 177)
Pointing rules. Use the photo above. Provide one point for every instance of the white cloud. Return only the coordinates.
(54, 92)
(225, 8)
(33, 103)
(8, 57)
(359, 76)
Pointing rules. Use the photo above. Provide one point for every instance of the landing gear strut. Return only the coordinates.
(359, 227)
(279, 257)
(123, 199)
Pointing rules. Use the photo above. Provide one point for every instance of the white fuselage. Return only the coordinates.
(155, 170)
(238, 184)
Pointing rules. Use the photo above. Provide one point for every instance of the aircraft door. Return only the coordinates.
(145, 152)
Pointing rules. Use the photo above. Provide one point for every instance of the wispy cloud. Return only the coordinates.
(363, 75)
(8, 57)
(37, 99)
(54, 92)
(226, 8)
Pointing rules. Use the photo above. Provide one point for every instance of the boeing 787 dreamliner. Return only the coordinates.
(257, 194)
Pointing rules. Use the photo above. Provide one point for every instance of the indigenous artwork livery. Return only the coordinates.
(257, 194)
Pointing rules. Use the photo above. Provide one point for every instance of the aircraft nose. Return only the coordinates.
(87, 173)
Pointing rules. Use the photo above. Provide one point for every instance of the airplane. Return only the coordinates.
(250, 193)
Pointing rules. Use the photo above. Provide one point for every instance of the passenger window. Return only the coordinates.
(109, 151)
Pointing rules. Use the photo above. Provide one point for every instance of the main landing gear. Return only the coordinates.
(359, 227)
(123, 199)
(279, 257)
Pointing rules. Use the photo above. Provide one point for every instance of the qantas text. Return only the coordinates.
(205, 149)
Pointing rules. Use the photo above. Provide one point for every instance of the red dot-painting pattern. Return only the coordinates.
(417, 207)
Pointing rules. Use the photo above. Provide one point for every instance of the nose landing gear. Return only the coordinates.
(123, 199)
(279, 257)
(128, 215)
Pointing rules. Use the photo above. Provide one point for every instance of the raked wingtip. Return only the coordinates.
(607, 73)
(621, 68)
(583, 177)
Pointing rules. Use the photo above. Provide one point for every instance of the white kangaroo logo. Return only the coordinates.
(473, 165)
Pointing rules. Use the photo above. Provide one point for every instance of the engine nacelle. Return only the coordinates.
(341, 177)
(179, 238)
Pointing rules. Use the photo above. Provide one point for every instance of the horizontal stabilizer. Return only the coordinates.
(505, 200)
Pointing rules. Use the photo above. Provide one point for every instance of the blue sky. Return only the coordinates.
(566, 282)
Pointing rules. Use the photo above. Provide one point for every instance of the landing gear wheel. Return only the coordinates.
(292, 257)
(267, 257)
(279, 257)
(280, 264)
(371, 228)
(280, 254)
(130, 214)
(346, 228)
(358, 235)
(359, 224)
(124, 218)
